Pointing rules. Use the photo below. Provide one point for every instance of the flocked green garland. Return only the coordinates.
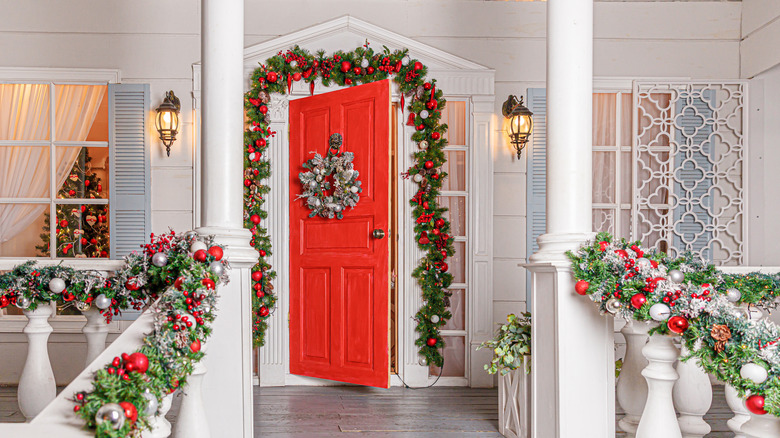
(714, 313)
(360, 66)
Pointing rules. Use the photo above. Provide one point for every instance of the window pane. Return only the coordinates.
(455, 167)
(458, 309)
(22, 230)
(454, 115)
(24, 171)
(625, 224)
(603, 220)
(454, 353)
(456, 213)
(82, 231)
(457, 263)
(24, 112)
(626, 169)
(604, 119)
(82, 172)
(604, 177)
(626, 114)
(75, 110)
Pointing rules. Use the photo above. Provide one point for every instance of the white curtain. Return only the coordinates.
(24, 170)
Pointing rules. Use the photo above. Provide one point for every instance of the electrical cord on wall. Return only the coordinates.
(441, 369)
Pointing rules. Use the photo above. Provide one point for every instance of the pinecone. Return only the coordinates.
(721, 334)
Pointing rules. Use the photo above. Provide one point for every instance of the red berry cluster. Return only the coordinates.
(161, 243)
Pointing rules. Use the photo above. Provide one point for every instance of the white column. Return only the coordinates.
(741, 414)
(227, 388)
(761, 426)
(631, 386)
(36, 385)
(191, 422)
(573, 379)
(95, 331)
(692, 396)
(659, 418)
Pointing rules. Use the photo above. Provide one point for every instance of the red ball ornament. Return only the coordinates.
(370, 70)
(271, 76)
(427, 85)
(581, 287)
(435, 136)
(260, 142)
(195, 346)
(296, 76)
(263, 109)
(357, 70)
(755, 404)
(347, 81)
(431, 105)
(420, 127)
(262, 253)
(130, 411)
(677, 324)
(622, 253)
(431, 342)
(177, 284)
(3, 301)
(63, 223)
(638, 300)
(131, 284)
(209, 283)
(263, 311)
(216, 252)
(435, 231)
(603, 246)
(257, 275)
(137, 362)
(425, 205)
(200, 255)
(247, 182)
(429, 164)
(345, 66)
(418, 66)
(439, 223)
(443, 266)
(255, 219)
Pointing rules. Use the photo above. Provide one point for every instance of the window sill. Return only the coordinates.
(7, 264)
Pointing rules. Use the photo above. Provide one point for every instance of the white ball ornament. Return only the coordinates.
(423, 145)
(417, 178)
(252, 156)
(151, 403)
(676, 276)
(406, 60)
(424, 114)
(198, 245)
(354, 189)
(364, 63)
(733, 295)
(56, 285)
(111, 413)
(435, 319)
(660, 312)
(160, 259)
(217, 268)
(102, 302)
(754, 372)
(294, 64)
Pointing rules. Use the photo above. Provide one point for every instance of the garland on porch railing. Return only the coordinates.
(176, 275)
(360, 66)
(714, 313)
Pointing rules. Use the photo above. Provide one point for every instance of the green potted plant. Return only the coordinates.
(512, 362)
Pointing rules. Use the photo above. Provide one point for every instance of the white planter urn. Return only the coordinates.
(659, 419)
(514, 403)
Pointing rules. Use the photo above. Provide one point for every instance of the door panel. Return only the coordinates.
(339, 282)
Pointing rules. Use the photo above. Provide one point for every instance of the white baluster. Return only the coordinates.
(741, 414)
(761, 426)
(161, 427)
(96, 331)
(36, 385)
(191, 421)
(631, 386)
(692, 397)
(659, 418)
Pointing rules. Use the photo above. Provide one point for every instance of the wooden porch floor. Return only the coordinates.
(297, 411)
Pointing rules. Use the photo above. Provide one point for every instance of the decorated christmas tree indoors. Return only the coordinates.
(82, 229)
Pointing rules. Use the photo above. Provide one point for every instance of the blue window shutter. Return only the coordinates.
(129, 197)
(536, 175)
(693, 174)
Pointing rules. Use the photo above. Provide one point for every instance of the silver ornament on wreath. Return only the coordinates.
(733, 295)
(56, 285)
(676, 276)
(217, 268)
(111, 413)
(151, 403)
(334, 168)
(23, 302)
(83, 306)
(160, 259)
(613, 305)
(102, 302)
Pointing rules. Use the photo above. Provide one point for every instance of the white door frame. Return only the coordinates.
(457, 77)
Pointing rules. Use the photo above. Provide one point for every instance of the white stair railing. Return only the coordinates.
(761, 426)
(659, 418)
(96, 331)
(631, 385)
(692, 396)
(191, 422)
(741, 414)
(36, 385)
(161, 427)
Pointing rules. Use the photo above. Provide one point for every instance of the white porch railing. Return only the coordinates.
(685, 390)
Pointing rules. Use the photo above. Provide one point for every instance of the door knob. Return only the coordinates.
(378, 234)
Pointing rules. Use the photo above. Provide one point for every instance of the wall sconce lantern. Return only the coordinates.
(167, 121)
(520, 122)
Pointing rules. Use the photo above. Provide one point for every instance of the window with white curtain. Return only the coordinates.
(54, 171)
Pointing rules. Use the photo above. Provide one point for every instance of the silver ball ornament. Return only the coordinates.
(364, 63)
(102, 302)
(319, 178)
(435, 319)
(660, 312)
(643, 262)
(151, 403)
(316, 170)
(354, 189)
(733, 295)
(189, 235)
(417, 178)
(198, 245)
(160, 259)
(754, 372)
(83, 306)
(676, 276)
(406, 60)
(56, 285)
(217, 268)
(23, 302)
(337, 208)
(424, 114)
(423, 361)
(312, 184)
(294, 64)
(111, 413)
(423, 145)
(613, 305)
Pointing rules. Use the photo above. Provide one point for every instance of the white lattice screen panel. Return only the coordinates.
(689, 168)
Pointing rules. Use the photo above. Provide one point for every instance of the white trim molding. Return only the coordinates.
(69, 75)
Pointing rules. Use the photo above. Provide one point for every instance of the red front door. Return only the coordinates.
(339, 273)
